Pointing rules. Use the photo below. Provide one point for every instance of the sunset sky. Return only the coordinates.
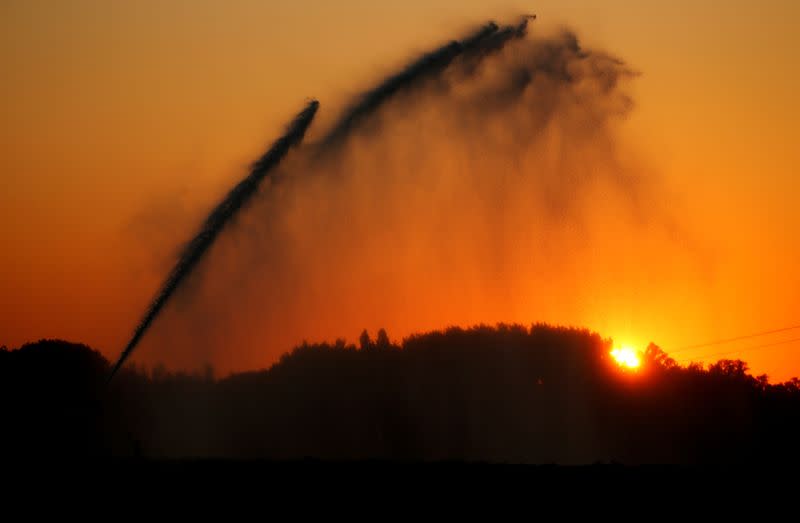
(123, 122)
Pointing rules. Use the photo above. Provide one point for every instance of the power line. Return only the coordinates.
(731, 340)
(757, 347)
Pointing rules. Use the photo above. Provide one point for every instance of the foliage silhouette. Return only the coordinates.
(506, 393)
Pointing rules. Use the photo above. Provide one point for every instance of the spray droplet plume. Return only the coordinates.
(216, 221)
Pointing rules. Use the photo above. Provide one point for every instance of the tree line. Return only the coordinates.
(504, 393)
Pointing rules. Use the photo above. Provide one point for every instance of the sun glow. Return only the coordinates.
(626, 357)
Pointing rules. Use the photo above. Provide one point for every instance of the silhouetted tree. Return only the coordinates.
(364, 341)
(656, 356)
(729, 368)
(382, 342)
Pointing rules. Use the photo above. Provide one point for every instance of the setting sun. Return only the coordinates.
(626, 357)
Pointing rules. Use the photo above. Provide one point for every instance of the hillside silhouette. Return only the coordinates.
(498, 394)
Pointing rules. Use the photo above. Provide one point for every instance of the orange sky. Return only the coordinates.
(119, 114)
